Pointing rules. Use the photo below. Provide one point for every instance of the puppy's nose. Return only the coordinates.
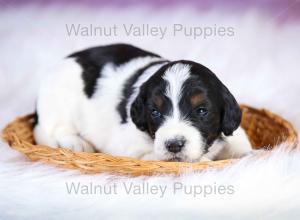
(175, 145)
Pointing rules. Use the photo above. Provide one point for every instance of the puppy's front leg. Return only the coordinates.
(214, 151)
(67, 138)
(236, 146)
(205, 159)
(149, 156)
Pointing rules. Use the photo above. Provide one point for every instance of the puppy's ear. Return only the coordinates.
(138, 112)
(231, 113)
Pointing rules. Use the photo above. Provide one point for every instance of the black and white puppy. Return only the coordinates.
(122, 100)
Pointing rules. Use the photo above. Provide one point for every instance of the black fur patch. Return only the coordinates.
(93, 59)
(128, 89)
(35, 119)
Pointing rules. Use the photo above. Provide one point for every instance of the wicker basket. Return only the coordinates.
(262, 127)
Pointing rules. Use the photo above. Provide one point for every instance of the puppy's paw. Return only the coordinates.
(149, 156)
(204, 159)
(254, 153)
(75, 143)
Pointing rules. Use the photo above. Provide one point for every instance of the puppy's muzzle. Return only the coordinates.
(175, 145)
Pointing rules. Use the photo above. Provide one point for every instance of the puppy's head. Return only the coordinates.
(184, 107)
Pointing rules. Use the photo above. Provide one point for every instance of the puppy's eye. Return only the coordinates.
(202, 111)
(155, 114)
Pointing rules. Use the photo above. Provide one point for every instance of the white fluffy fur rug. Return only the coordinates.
(260, 64)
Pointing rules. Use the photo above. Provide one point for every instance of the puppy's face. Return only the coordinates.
(184, 108)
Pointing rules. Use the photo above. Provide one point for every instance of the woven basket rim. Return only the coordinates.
(89, 162)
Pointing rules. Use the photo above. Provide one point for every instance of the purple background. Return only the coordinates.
(290, 8)
(283, 9)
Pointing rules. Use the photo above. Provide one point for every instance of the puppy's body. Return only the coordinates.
(94, 102)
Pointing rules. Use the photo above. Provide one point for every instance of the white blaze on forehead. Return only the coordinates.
(175, 77)
(175, 125)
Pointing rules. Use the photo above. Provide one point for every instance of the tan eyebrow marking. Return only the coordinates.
(158, 101)
(197, 99)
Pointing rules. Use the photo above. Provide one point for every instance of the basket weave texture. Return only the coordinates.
(264, 129)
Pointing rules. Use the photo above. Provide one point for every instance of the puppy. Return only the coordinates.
(124, 101)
